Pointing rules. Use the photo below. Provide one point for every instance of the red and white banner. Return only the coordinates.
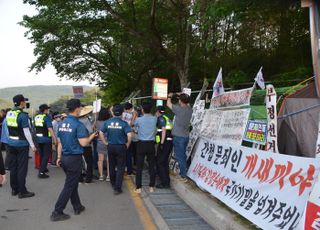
(232, 99)
(271, 104)
(271, 190)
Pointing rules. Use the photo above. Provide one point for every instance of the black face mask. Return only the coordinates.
(27, 105)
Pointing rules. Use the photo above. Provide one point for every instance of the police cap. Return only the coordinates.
(18, 99)
(43, 107)
(117, 110)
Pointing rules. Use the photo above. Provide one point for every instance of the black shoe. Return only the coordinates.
(79, 210)
(117, 192)
(14, 193)
(162, 186)
(43, 176)
(55, 216)
(88, 181)
(46, 171)
(26, 195)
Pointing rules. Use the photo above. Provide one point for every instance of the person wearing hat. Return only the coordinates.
(119, 135)
(164, 141)
(19, 141)
(72, 137)
(88, 151)
(180, 131)
(44, 137)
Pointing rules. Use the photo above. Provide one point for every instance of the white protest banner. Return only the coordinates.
(269, 189)
(259, 79)
(256, 132)
(218, 88)
(186, 91)
(196, 120)
(232, 99)
(227, 126)
(271, 104)
(96, 106)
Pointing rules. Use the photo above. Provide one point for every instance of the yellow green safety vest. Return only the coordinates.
(41, 129)
(169, 127)
(12, 118)
(15, 132)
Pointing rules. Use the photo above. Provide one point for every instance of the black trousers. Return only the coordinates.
(2, 169)
(72, 166)
(88, 157)
(163, 162)
(7, 158)
(117, 159)
(18, 167)
(145, 148)
(45, 149)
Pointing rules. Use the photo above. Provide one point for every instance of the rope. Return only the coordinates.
(299, 111)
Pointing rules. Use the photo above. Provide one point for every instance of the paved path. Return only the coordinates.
(103, 210)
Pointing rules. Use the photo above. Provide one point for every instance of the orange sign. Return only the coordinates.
(160, 89)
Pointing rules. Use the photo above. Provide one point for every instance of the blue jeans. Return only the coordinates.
(179, 147)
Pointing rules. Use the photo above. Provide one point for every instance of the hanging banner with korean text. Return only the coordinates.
(232, 99)
(256, 132)
(269, 189)
(271, 104)
(225, 125)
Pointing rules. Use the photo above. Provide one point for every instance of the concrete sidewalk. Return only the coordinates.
(103, 210)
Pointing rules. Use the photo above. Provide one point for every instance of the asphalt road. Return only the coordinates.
(103, 209)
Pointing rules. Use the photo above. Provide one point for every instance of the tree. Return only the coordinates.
(123, 44)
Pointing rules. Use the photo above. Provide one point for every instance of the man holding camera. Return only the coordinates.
(20, 139)
(180, 131)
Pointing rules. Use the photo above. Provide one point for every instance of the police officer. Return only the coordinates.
(18, 146)
(164, 141)
(118, 133)
(72, 137)
(44, 137)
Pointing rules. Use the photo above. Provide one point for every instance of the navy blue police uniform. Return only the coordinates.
(43, 137)
(69, 131)
(163, 151)
(18, 148)
(116, 131)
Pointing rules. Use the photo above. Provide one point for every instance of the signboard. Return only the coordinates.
(232, 99)
(96, 106)
(227, 126)
(186, 91)
(270, 190)
(160, 89)
(271, 104)
(256, 132)
(77, 91)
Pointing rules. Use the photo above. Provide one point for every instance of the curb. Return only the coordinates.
(156, 216)
(209, 208)
(158, 219)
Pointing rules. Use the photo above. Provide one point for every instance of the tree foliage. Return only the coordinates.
(123, 44)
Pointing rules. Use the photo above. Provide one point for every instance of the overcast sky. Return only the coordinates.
(16, 51)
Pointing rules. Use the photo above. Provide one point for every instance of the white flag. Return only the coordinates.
(218, 85)
(259, 79)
